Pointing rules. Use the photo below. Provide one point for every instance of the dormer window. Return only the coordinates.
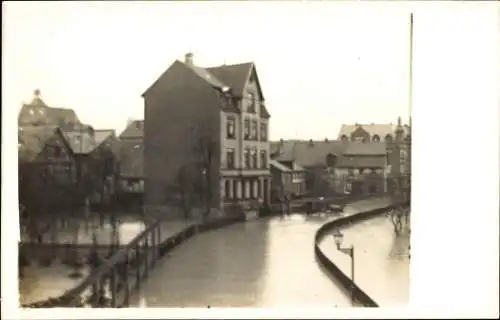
(344, 138)
(376, 138)
(388, 138)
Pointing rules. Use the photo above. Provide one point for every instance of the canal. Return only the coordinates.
(262, 263)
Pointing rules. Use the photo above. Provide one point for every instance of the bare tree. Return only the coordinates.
(185, 189)
(205, 150)
(400, 219)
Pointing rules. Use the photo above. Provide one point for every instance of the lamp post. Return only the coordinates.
(339, 239)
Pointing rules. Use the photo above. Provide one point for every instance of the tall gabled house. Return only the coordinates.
(206, 134)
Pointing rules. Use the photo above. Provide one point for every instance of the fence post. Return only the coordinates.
(113, 286)
(153, 247)
(138, 265)
(126, 279)
(146, 255)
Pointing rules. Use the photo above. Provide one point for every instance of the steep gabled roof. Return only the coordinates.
(102, 134)
(134, 130)
(296, 167)
(314, 153)
(279, 166)
(33, 139)
(369, 148)
(81, 145)
(131, 156)
(361, 162)
(38, 112)
(234, 76)
(283, 150)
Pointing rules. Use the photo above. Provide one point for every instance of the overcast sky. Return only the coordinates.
(320, 64)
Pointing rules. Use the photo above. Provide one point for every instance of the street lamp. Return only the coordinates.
(339, 239)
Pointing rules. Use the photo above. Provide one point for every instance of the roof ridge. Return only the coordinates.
(230, 65)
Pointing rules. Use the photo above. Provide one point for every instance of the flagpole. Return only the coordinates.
(410, 80)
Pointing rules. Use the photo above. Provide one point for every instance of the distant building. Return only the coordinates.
(288, 179)
(37, 113)
(47, 170)
(398, 139)
(337, 167)
(130, 185)
(89, 147)
(134, 130)
(103, 164)
(206, 136)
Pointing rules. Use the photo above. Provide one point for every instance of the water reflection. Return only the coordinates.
(263, 263)
(382, 264)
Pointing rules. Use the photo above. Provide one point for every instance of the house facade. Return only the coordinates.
(288, 179)
(47, 170)
(362, 169)
(398, 139)
(130, 182)
(206, 138)
(337, 167)
(103, 165)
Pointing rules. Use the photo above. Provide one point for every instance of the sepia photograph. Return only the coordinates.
(213, 154)
(209, 187)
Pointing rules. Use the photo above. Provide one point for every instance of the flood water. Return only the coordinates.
(262, 263)
(382, 267)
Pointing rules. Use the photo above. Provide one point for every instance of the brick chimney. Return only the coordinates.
(188, 58)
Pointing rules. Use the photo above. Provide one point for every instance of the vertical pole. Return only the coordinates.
(126, 280)
(410, 75)
(138, 266)
(146, 255)
(153, 246)
(113, 285)
(353, 298)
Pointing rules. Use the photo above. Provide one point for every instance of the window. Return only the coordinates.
(372, 189)
(348, 187)
(254, 130)
(230, 158)
(230, 127)
(227, 189)
(57, 151)
(251, 102)
(263, 132)
(77, 139)
(344, 138)
(247, 129)
(388, 138)
(263, 159)
(254, 157)
(331, 160)
(246, 156)
(376, 138)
